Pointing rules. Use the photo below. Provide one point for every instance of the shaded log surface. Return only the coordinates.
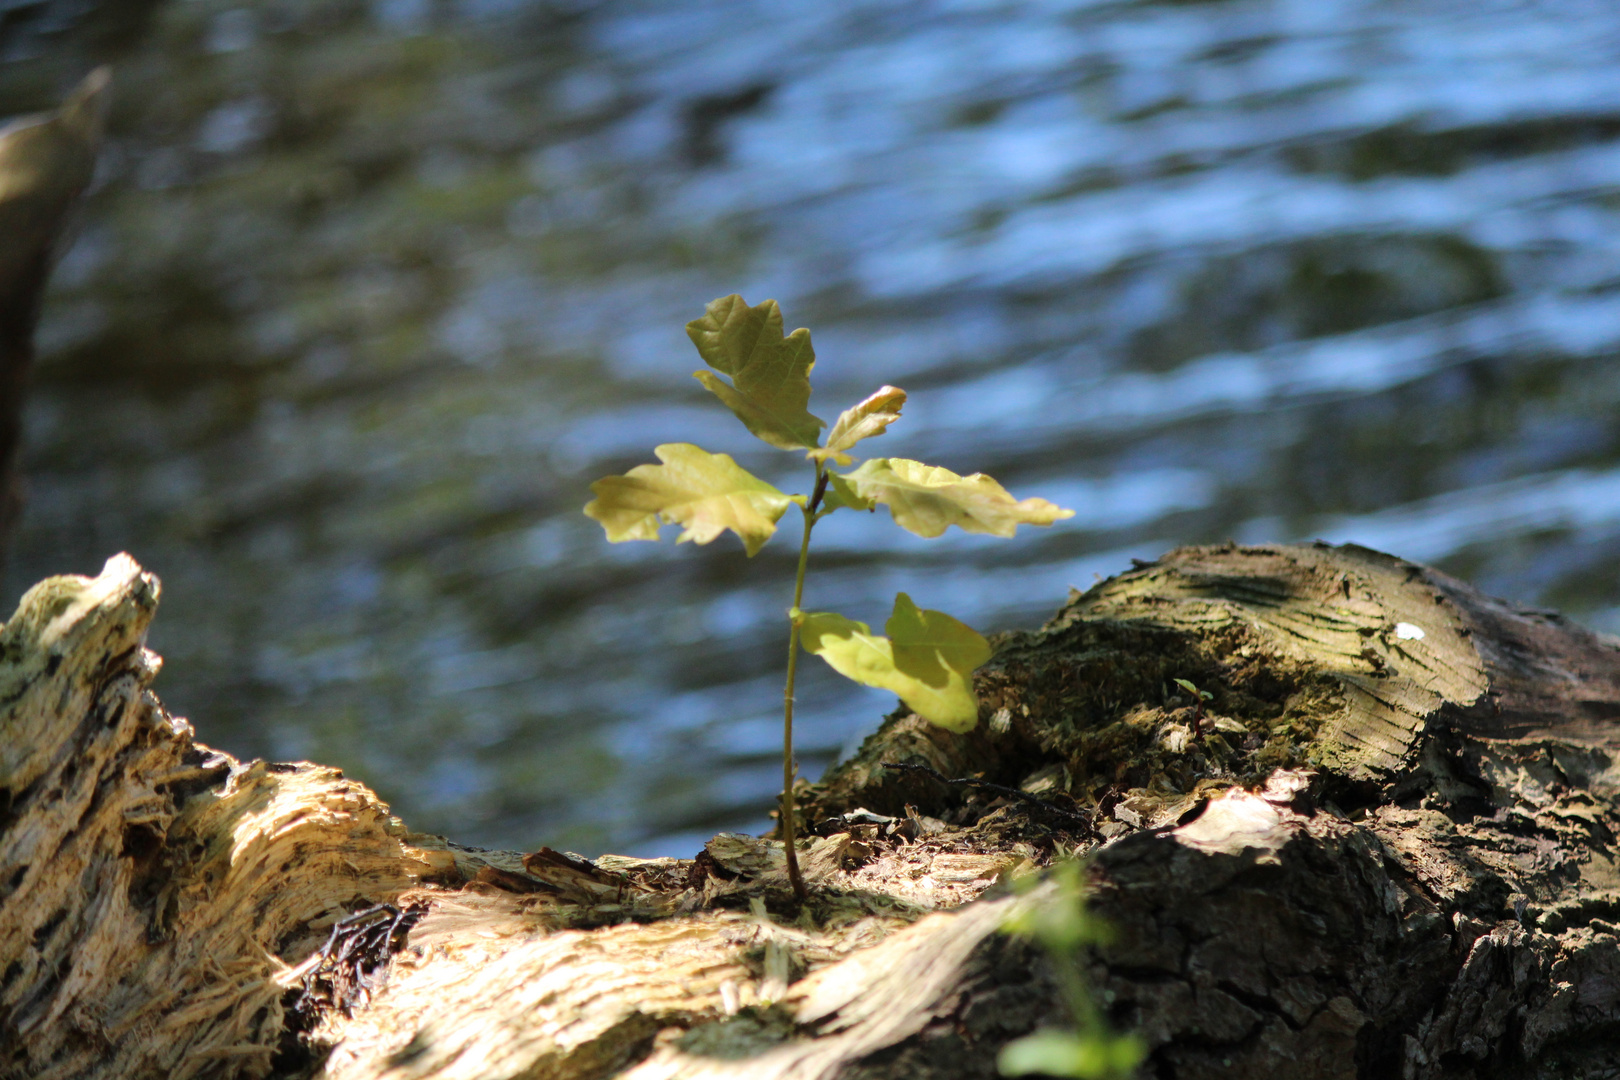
(1386, 847)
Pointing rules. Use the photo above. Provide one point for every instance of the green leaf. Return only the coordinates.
(865, 421)
(927, 499)
(1062, 923)
(1050, 1051)
(770, 375)
(1186, 684)
(704, 493)
(1092, 1056)
(928, 659)
(1125, 1053)
(840, 494)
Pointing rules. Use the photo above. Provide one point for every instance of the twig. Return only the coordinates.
(999, 789)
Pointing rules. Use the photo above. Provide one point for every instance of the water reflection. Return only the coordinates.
(369, 293)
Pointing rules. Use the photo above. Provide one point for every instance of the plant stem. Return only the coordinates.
(1072, 988)
(789, 770)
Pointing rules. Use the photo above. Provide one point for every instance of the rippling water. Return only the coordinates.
(369, 293)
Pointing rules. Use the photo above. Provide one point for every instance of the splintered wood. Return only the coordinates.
(151, 887)
(1379, 842)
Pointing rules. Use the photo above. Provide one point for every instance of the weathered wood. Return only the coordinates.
(1386, 847)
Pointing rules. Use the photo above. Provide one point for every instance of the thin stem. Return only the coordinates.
(1072, 988)
(789, 769)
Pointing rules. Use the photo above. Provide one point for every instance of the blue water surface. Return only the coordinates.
(368, 294)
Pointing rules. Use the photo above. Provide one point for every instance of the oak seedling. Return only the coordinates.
(1087, 1049)
(925, 657)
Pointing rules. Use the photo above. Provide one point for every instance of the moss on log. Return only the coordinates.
(1383, 846)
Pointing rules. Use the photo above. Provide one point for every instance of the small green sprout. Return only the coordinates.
(1187, 685)
(927, 657)
(1200, 699)
(1063, 928)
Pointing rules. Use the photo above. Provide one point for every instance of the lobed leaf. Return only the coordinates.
(928, 659)
(928, 499)
(770, 375)
(840, 494)
(864, 421)
(704, 493)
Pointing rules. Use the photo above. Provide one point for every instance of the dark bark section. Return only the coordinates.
(46, 162)
(1430, 892)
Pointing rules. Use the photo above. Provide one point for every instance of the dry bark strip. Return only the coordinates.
(1384, 848)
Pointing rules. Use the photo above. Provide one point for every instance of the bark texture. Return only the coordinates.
(1383, 845)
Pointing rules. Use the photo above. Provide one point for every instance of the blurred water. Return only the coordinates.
(369, 293)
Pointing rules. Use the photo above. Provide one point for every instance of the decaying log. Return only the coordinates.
(1384, 846)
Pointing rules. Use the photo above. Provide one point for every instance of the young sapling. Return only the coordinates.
(1087, 1049)
(1200, 698)
(926, 657)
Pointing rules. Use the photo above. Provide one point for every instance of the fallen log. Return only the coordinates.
(1383, 845)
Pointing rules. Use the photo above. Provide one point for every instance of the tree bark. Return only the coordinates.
(1384, 846)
